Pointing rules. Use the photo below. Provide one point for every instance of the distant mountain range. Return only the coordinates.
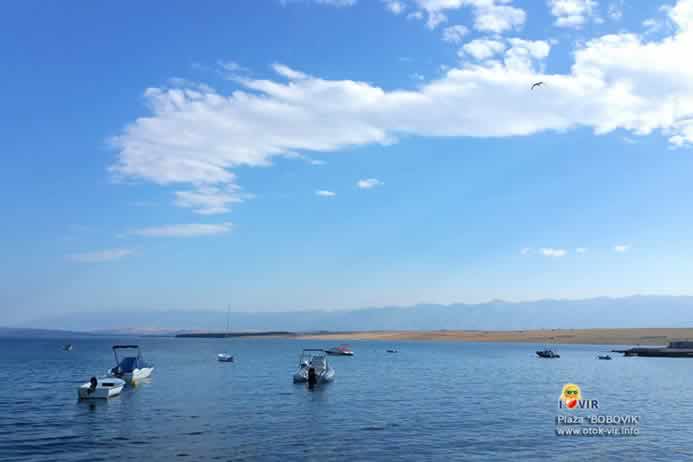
(634, 311)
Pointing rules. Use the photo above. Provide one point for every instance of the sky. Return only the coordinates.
(283, 155)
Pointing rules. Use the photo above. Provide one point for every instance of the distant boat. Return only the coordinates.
(68, 347)
(313, 368)
(226, 357)
(604, 357)
(392, 351)
(130, 368)
(341, 350)
(550, 354)
(103, 388)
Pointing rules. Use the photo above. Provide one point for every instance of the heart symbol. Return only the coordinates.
(571, 403)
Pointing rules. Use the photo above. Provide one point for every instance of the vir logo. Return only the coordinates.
(571, 398)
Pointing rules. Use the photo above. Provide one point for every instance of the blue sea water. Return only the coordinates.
(430, 401)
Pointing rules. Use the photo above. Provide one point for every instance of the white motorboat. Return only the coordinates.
(225, 358)
(313, 368)
(102, 388)
(341, 350)
(130, 368)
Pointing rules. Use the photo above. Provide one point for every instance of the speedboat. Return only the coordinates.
(604, 357)
(313, 368)
(68, 347)
(225, 358)
(550, 354)
(132, 367)
(102, 388)
(341, 350)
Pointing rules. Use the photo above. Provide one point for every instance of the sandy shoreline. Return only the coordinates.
(640, 336)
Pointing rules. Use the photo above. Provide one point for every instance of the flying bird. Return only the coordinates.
(537, 84)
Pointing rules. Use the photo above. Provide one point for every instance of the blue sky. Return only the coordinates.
(283, 155)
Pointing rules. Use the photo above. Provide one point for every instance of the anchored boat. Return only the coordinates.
(341, 350)
(549, 354)
(313, 368)
(132, 367)
(103, 388)
(225, 358)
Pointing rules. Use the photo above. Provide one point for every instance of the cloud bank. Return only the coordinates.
(194, 136)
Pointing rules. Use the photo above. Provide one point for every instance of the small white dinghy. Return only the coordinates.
(225, 358)
(103, 388)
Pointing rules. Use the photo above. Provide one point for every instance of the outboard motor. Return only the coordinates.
(312, 378)
(92, 385)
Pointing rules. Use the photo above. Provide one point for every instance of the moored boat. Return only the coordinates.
(341, 350)
(313, 368)
(604, 357)
(550, 354)
(225, 358)
(102, 388)
(130, 368)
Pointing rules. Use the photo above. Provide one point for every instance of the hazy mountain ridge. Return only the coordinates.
(634, 311)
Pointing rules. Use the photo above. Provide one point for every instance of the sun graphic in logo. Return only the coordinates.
(570, 395)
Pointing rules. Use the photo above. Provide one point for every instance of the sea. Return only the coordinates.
(430, 401)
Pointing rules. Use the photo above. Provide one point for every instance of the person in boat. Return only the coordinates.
(92, 385)
(312, 378)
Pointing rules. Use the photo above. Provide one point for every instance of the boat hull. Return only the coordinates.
(136, 375)
(224, 358)
(301, 376)
(106, 388)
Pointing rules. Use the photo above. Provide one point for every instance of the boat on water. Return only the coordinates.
(313, 368)
(549, 354)
(103, 388)
(68, 347)
(226, 357)
(604, 357)
(341, 350)
(392, 351)
(132, 367)
(675, 349)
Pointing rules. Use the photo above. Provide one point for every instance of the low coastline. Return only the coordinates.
(625, 336)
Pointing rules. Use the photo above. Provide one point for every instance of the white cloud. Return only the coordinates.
(195, 137)
(483, 48)
(369, 183)
(580, 250)
(615, 10)
(454, 34)
(572, 13)
(394, 6)
(525, 251)
(325, 193)
(549, 252)
(183, 230)
(210, 200)
(100, 256)
(489, 15)
(621, 248)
